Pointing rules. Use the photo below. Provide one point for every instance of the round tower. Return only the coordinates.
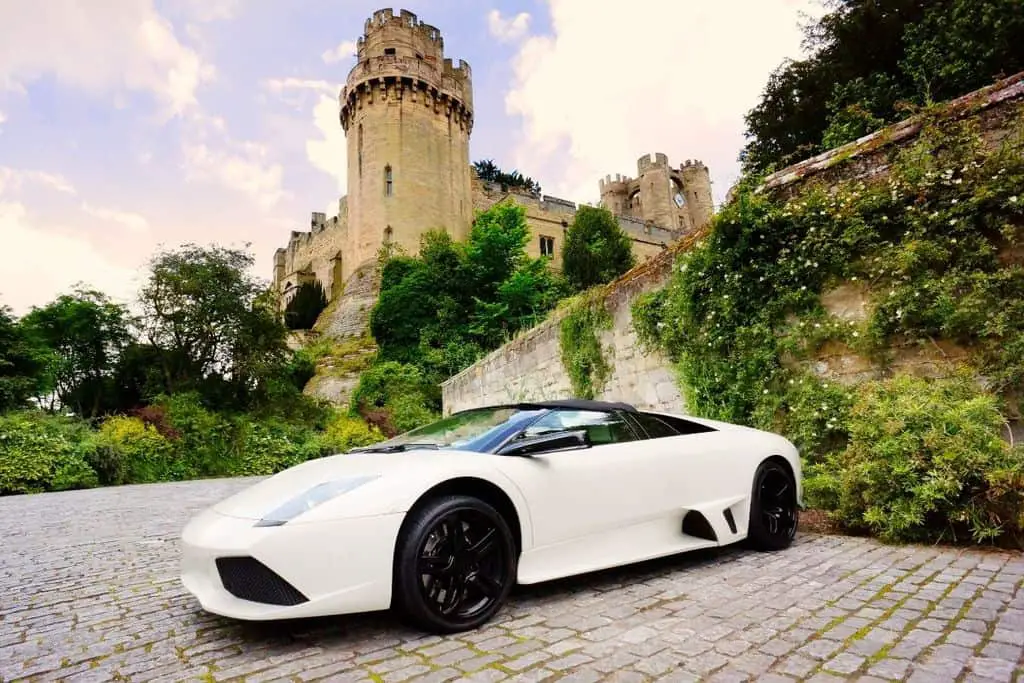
(656, 191)
(615, 194)
(407, 112)
(697, 188)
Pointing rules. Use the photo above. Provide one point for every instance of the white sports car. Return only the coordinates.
(440, 522)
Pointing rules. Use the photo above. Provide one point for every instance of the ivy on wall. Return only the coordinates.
(580, 343)
(932, 249)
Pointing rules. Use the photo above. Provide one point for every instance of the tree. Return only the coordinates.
(86, 333)
(489, 172)
(872, 62)
(596, 249)
(23, 363)
(217, 327)
(305, 306)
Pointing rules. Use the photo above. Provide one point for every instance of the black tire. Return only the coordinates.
(431, 563)
(774, 513)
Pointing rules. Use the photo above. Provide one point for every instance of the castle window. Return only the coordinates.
(388, 182)
(388, 233)
(360, 149)
(389, 50)
(547, 245)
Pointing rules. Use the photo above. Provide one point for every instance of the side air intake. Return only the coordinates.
(697, 525)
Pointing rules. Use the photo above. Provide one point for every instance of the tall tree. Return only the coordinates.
(87, 333)
(306, 306)
(874, 61)
(217, 326)
(596, 249)
(23, 363)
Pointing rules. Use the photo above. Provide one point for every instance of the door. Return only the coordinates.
(599, 506)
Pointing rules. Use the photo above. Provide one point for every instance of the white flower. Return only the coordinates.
(1013, 199)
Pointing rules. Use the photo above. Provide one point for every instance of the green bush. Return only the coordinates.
(39, 452)
(396, 397)
(926, 461)
(130, 451)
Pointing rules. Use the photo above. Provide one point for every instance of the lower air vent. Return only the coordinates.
(250, 579)
(696, 524)
(730, 520)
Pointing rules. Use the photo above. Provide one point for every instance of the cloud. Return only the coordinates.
(13, 180)
(210, 10)
(343, 51)
(52, 261)
(280, 85)
(614, 82)
(132, 221)
(244, 166)
(508, 30)
(100, 47)
(328, 152)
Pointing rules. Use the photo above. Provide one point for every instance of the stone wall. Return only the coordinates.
(529, 367)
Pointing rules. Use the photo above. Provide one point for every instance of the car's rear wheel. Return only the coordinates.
(774, 512)
(454, 566)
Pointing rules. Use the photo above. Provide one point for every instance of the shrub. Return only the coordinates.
(130, 451)
(925, 462)
(39, 452)
(345, 432)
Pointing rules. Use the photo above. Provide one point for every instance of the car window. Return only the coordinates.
(654, 426)
(601, 427)
(680, 425)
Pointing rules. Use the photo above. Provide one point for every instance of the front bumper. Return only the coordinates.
(290, 571)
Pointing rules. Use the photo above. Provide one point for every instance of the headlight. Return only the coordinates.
(321, 493)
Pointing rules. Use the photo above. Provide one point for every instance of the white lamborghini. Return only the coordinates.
(440, 522)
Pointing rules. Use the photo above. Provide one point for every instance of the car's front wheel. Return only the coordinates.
(455, 564)
(774, 511)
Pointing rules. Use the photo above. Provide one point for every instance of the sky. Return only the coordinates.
(132, 126)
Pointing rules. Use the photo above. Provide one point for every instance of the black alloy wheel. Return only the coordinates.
(774, 513)
(455, 565)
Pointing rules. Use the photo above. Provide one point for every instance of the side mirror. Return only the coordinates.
(547, 443)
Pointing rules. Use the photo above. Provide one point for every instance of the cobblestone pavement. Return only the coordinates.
(89, 591)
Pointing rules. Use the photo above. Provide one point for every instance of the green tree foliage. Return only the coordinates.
(23, 363)
(596, 249)
(489, 172)
(305, 306)
(440, 310)
(871, 62)
(86, 333)
(217, 327)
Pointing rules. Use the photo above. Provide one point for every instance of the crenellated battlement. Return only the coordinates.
(692, 163)
(619, 183)
(646, 162)
(447, 102)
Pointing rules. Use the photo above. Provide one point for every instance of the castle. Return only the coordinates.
(407, 113)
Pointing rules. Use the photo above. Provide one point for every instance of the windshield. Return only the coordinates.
(481, 429)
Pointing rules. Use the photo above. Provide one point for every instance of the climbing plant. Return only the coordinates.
(934, 251)
(580, 343)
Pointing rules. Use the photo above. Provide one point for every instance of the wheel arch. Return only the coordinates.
(485, 490)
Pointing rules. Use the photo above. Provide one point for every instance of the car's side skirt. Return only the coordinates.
(681, 530)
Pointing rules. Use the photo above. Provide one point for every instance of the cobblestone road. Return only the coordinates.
(89, 591)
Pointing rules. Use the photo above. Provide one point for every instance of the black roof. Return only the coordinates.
(579, 404)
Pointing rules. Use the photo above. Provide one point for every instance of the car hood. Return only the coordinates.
(259, 499)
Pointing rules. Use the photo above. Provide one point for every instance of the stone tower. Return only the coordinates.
(407, 112)
(679, 200)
